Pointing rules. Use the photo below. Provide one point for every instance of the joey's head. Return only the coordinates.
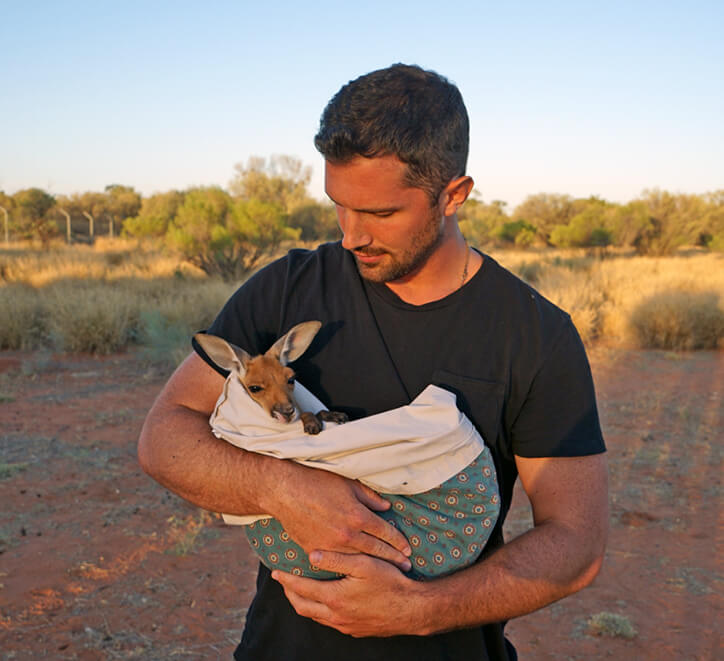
(271, 384)
(266, 378)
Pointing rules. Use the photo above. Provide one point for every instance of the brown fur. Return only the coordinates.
(267, 378)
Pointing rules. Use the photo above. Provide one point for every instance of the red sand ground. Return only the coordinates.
(99, 562)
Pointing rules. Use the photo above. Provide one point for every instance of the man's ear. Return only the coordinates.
(455, 193)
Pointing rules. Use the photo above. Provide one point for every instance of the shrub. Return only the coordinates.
(510, 231)
(611, 624)
(21, 321)
(90, 318)
(679, 320)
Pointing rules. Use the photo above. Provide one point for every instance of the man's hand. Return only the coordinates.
(560, 555)
(321, 510)
(371, 600)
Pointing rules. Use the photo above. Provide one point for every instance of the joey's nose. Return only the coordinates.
(284, 412)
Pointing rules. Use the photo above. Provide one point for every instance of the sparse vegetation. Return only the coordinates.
(186, 532)
(117, 293)
(674, 302)
(611, 624)
(7, 470)
(104, 298)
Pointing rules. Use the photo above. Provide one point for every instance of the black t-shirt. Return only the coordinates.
(513, 359)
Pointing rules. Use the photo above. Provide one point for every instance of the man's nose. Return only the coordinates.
(353, 228)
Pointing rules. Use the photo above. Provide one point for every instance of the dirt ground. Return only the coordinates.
(99, 562)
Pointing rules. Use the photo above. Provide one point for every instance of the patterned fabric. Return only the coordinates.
(447, 526)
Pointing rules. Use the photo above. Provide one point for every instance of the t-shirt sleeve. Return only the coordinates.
(250, 318)
(559, 417)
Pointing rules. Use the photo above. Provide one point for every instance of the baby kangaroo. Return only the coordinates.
(267, 379)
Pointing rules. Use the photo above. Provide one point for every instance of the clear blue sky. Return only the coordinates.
(604, 98)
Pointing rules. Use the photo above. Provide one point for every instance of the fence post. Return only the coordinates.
(7, 236)
(67, 223)
(90, 220)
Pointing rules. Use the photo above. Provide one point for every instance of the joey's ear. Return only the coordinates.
(455, 193)
(223, 353)
(297, 340)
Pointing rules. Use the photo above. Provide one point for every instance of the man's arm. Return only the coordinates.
(317, 508)
(560, 555)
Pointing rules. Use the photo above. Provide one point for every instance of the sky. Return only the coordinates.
(576, 98)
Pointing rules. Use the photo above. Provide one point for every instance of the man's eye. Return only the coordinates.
(255, 388)
(384, 214)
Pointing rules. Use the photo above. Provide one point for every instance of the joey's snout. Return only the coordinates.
(284, 412)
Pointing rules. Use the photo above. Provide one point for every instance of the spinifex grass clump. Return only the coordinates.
(611, 624)
(650, 303)
(90, 317)
(85, 299)
(22, 321)
(679, 320)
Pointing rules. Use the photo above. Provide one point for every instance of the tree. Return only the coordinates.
(122, 202)
(316, 221)
(224, 237)
(155, 215)
(712, 233)
(480, 222)
(626, 221)
(31, 215)
(544, 211)
(674, 221)
(282, 180)
(588, 228)
(518, 232)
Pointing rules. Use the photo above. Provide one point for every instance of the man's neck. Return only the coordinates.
(443, 273)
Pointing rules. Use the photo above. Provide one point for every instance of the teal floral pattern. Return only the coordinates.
(447, 526)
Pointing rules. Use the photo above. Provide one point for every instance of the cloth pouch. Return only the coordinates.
(426, 458)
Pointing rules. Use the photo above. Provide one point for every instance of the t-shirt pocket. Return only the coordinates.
(478, 399)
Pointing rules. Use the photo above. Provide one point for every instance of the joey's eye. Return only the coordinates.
(291, 381)
(255, 389)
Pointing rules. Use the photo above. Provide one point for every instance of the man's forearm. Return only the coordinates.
(541, 566)
(178, 450)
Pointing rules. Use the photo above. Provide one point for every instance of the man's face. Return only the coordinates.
(390, 228)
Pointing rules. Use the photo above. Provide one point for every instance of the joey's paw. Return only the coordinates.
(311, 424)
(335, 416)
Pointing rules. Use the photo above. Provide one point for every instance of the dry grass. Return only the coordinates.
(106, 260)
(116, 293)
(102, 298)
(667, 302)
(611, 624)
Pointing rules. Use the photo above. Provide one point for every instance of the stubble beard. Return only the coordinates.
(422, 245)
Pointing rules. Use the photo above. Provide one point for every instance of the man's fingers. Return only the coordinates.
(385, 531)
(378, 526)
(302, 595)
(370, 498)
(376, 547)
(342, 563)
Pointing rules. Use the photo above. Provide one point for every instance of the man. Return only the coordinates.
(404, 302)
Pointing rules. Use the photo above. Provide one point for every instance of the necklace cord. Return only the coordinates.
(465, 268)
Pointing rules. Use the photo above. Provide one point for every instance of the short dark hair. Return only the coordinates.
(403, 110)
